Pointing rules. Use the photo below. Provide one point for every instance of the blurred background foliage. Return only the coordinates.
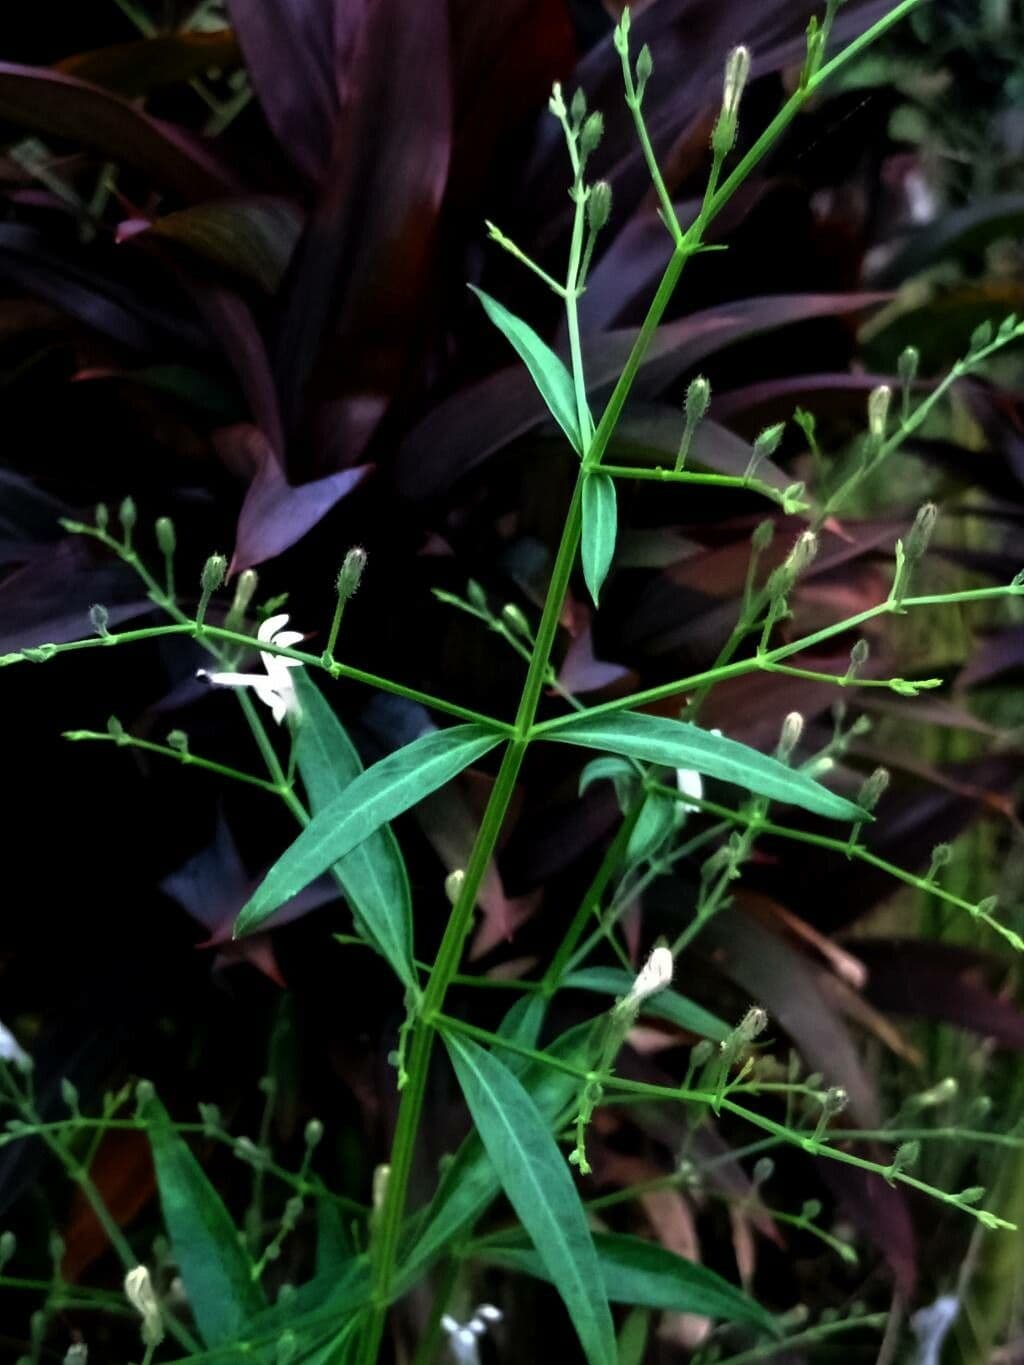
(234, 242)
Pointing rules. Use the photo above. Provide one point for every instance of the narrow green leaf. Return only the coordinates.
(553, 380)
(470, 1182)
(536, 1179)
(668, 1005)
(645, 1274)
(371, 800)
(678, 744)
(600, 525)
(659, 817)
(633, 1336)
(214, 1267)
(373, 876)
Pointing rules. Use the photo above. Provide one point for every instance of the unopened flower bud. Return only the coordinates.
(737, 69)
(77, 1354)
(701, 1053)
(213, 573)
(213, 1124)
(859, 655)
(698, 396)
(834, 1100)
(245, 590)
(69, 1093)
(802, 554)
(453, 884)
(654, 976)
(138, 1290)
(763, 1171)
(942, 855)
(906, 366)
(128, 515)
(99, 618)
(591, 133)
(620, 35)
(644, 67)
(974, 1194)
(476, 595)
(165, 536)
(764, 534)
(578, 107)
(921, 532)
(599, 205)
(878, 411)
(351, 572)
(8, 1246)
(768, 442)
(753, 1023)
(102, 515)
(906, 1158)
(515, 620)
(381, 1176)
(792, 729)
(313, 1134)
(873, 789)
(793, 498)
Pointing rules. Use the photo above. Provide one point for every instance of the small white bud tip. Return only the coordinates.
(654, 976)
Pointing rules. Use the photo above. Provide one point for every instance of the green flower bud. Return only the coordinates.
(102, 516)
(453, 884)
(99, 618)
(644, 67)
(921, 532)
(764, 534)
(578, 107)
(591, 134)
(165, 536)
(351, 572)
(873, 789)
(599, 205)
(213, 573)
(128, 516)
(313, 1134)
(789, 738)
(879, 400)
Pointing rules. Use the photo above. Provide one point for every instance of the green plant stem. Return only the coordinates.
(337, 670)
(849, 850)
(658, 474)
(822, 1332)
(813, 1146)
(189, 760)
(769, 657)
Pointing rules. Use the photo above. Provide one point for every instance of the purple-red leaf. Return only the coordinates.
(63, 106)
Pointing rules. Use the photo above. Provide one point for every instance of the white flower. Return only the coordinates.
(654, 976)
(463, 1337)
(275, 687)
(12, 1051)
(139, 1291)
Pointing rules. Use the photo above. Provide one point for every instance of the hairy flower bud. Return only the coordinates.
(873, 789)
(351, 572)
(591, 133)
(599, 205)
(878, 411)
(644, 67)
(453, 884)
(789, 738)
(139, 1291)
(921, 532)
(213, 573)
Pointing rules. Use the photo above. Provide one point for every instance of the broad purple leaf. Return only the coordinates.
(1001, 652)
(252, 237)
(361, 269)
(136, 68)
(107, 304)
(63, 106)
(48, 601)
(277, 514)
(940, 981)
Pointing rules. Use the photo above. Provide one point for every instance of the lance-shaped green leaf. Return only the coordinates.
(643, 1273)
(375, 797)
(678, 744)
(536, 1179)
(668, 1005)
(215, 1269)
(600, 524)
(373, 876)
(553, 380)
(470, 1182)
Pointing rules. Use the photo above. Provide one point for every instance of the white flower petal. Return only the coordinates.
(235, 679)
(690, 784)
(12, 1051)
(288, 639)
(654, 975)
(271, 626)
